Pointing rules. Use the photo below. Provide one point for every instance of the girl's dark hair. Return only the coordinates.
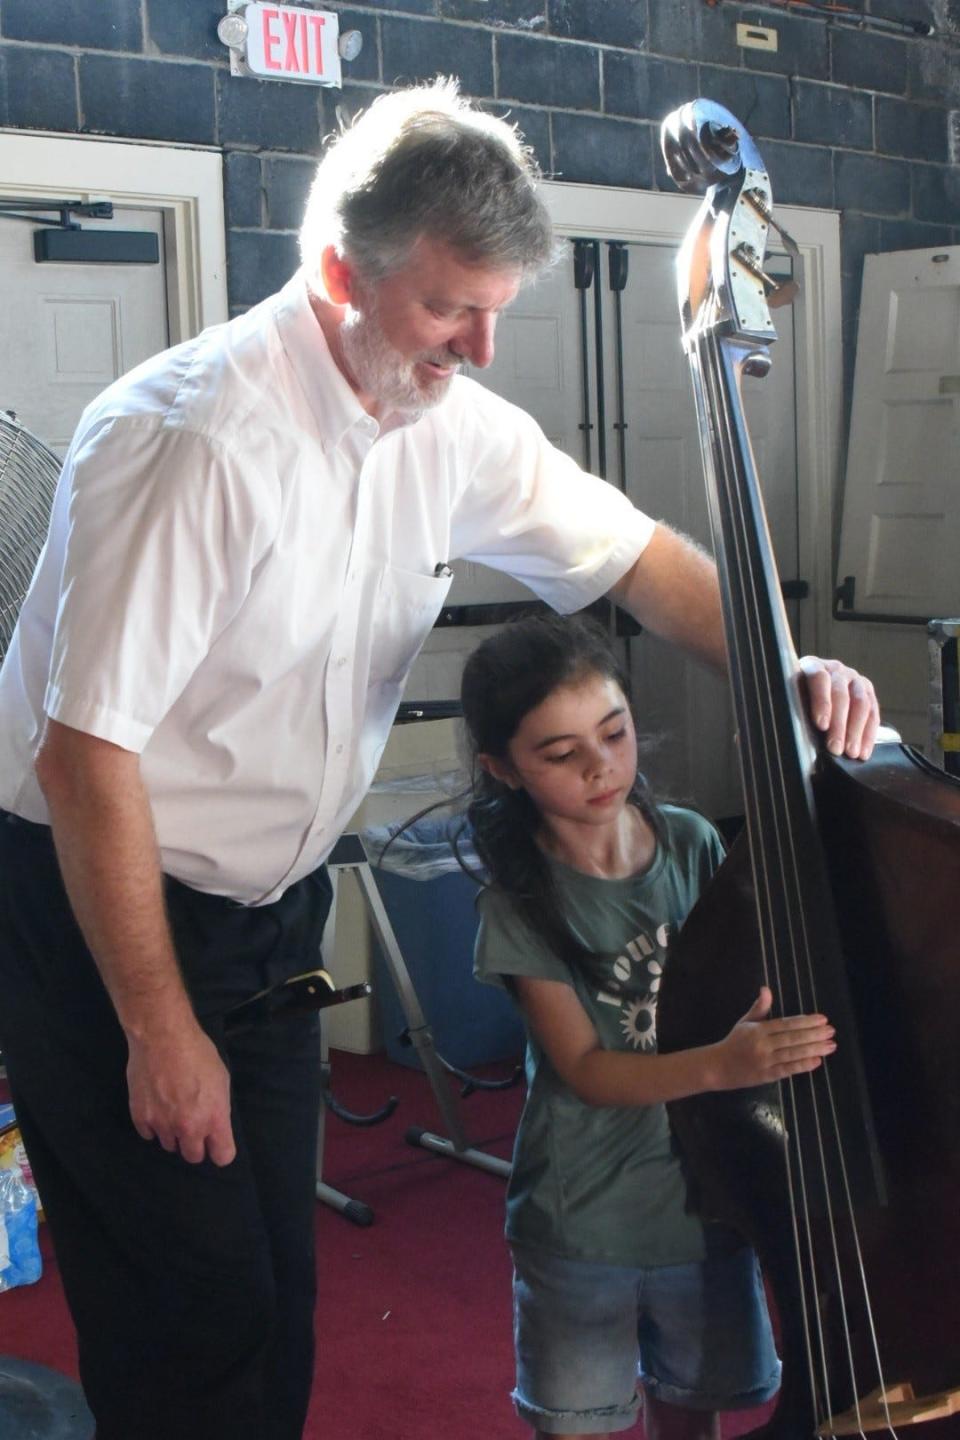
(505, 678)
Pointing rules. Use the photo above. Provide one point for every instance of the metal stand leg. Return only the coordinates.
(354, 1210)
(455, 1146)
(349, 855)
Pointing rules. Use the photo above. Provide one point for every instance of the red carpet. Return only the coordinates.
(413, 1323)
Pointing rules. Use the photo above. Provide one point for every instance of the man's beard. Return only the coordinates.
(381, 371)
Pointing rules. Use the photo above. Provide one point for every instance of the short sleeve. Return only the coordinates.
(715, 851)
(529, 510)
(506, 946)
(711, 850)
(162, 532)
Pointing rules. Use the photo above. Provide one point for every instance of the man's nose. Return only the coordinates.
(475, 341)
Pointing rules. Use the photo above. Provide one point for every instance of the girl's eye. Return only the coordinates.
(558, 759)
(616, 735)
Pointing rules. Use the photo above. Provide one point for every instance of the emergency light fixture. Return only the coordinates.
(286, 42)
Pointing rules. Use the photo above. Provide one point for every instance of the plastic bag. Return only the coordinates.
(13, 1151)
(20, 1262)
(423, 850)
(447, 782)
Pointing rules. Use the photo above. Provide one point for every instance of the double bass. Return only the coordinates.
(842, 893)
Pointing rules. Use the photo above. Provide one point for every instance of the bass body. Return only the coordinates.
(890, 829)
(842, 897)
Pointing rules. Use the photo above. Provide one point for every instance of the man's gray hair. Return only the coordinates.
(424, 161)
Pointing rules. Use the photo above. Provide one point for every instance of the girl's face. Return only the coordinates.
(575, 754)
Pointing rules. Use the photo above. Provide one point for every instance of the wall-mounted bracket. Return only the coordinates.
(37, 212)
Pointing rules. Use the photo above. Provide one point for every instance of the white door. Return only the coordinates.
(900, 537)
(71, 329)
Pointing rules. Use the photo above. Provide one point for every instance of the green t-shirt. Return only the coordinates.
(603, 1183)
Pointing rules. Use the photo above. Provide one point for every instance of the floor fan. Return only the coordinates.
(28, 478)
(36, 1403)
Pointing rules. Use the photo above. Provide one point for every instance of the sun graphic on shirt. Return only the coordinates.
(638, 1021)
(638, 1018)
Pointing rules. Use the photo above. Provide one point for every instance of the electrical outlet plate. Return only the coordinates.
(756, 37)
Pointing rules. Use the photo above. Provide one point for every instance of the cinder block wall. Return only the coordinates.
(847, 118)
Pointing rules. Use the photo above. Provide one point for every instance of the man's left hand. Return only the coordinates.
(843, 704)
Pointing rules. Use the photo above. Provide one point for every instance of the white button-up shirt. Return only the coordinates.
(241, 569)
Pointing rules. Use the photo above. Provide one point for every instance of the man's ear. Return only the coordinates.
(338, 276)
(501, 770)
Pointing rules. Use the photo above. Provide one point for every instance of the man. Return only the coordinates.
(247, 549)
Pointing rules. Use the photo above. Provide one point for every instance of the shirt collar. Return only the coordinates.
(336, 407)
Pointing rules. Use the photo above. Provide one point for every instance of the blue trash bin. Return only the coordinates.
(431, 905)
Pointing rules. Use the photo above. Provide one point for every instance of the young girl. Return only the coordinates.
(617, 1285)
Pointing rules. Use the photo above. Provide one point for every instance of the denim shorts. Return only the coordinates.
(587, 1336)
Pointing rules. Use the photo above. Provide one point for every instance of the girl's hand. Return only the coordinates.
(758, 1050)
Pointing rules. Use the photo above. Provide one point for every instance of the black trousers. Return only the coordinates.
(192, 1287)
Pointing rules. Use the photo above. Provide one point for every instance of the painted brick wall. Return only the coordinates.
(863, 122)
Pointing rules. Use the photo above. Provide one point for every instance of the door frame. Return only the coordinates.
(184, 182)
(661, 219)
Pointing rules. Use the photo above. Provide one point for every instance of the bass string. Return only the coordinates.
(754, 756)
(773, 875)
(742, 489)
(775, 864)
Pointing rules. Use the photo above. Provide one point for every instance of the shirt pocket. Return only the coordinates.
(406, 607)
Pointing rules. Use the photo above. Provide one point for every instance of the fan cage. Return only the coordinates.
(28, 480)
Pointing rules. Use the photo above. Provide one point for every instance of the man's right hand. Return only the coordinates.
(102, 825)
(180, 1095)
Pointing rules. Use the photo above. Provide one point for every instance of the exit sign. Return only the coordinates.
(290, 42)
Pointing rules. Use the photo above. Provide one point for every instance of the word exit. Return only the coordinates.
(288, 42)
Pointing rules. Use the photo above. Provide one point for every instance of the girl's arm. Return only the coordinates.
(755, 1052)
